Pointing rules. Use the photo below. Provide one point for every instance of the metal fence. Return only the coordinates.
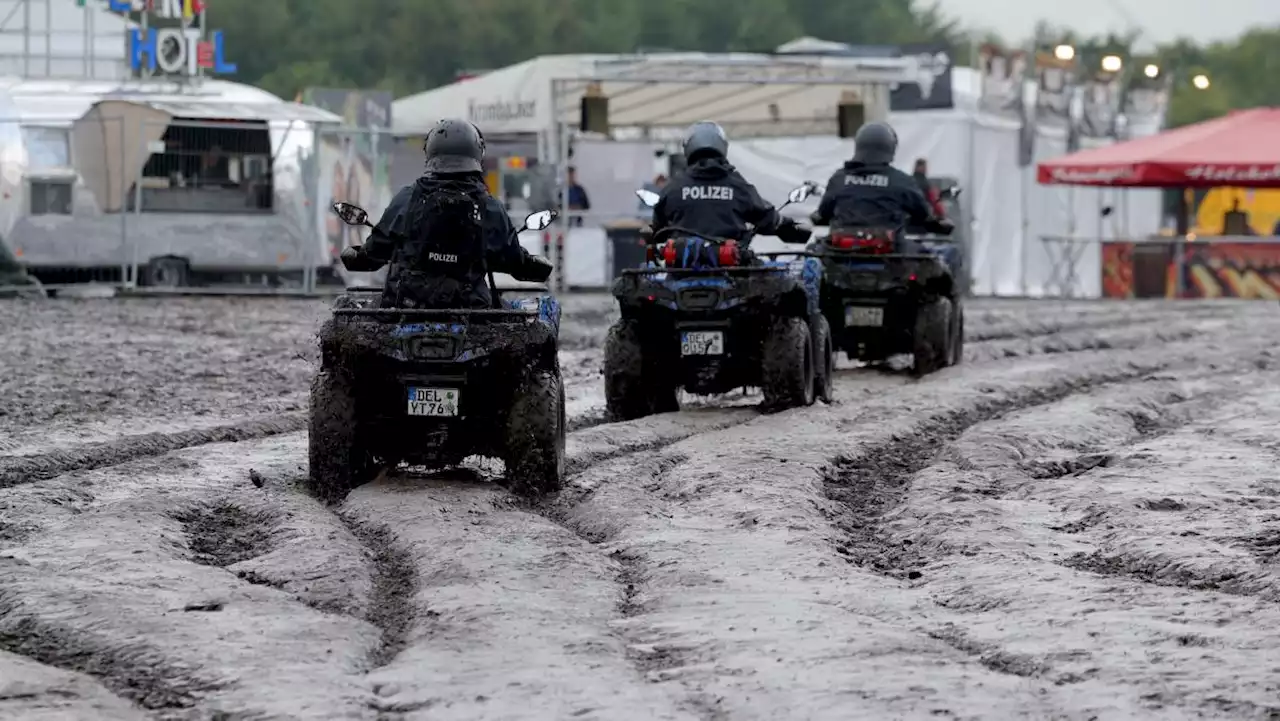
(142, 202)
(146, 202)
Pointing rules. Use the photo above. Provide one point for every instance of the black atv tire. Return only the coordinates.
(825, 359)
(788, 367)
(931, 337)
(535, 435)
(338, 462)
(957, 335)
(630, 392)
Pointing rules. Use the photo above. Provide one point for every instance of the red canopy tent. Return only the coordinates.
(1241, 149)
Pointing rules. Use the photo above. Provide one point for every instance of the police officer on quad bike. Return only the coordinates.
(868, 192)
(712, 198)
(444, 233)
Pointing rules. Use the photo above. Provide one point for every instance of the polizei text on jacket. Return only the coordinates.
(706, 192)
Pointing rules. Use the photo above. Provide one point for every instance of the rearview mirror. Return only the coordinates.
(801, 194)
(351, 214)
(540, 220)
(648, 197)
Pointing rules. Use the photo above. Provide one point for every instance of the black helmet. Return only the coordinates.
(875, 144)
(454, 146)
(703, 139)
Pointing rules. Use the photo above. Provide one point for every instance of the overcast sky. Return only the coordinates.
(1159, 19)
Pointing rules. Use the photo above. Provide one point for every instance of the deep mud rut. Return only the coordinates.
(1083, 521)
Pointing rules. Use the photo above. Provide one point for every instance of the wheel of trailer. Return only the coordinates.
(338, 461)
(166, 273)
(957, 333)
(931, 337)
(535, 436)
(630, 392)
(788, 371)
(824, 359)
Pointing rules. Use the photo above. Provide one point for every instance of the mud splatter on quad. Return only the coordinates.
(432, 387)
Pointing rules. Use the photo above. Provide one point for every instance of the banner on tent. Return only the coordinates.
(1001, 72)
(1147, 99)
(932, 88)
(1054, 86)
(1101, 105)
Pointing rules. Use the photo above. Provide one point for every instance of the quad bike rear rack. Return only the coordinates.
(435, 313)
(429, 313)
(734, 269)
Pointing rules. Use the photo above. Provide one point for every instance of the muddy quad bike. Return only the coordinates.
(707, 316)
(432, 387)
(881, 303)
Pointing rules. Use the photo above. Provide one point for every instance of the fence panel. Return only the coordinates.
(60, 188)
(218, 205)
(351, 165)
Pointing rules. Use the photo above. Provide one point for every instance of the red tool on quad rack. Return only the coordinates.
(876, 242)
(727, 252)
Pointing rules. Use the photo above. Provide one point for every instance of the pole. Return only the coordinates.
(26, 38)
(124, 216)
(87, 51)
(969, 200)
(48, 38)
(137, 201)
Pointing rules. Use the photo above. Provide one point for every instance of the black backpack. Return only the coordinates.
(444, 257)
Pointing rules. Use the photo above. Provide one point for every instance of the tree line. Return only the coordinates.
(406, 46)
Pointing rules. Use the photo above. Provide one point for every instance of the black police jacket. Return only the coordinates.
(861, 195)
(502, 252)
(713, 199)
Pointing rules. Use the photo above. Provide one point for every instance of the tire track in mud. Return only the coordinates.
(28, 468)
(663, 487)
(1138, 557)
(581, 367)
(490, 611)
(1103, 316)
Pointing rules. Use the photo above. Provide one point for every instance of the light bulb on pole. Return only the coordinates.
(1112, 63)
(1065, 53)
(1201, 82)
(1152, 71)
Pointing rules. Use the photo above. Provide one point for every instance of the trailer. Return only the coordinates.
(162, 185)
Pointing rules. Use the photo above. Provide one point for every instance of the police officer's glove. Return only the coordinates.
(535, 269)
(355, 260)
(352, 255)
(941, 226)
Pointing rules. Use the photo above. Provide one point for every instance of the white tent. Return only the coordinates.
(1011, 213)
(754, 94)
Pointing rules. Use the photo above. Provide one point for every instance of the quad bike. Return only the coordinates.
(707, 315)
(432, 387)
(881, 303)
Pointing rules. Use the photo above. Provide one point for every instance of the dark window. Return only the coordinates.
(210, 167)
(51, 197)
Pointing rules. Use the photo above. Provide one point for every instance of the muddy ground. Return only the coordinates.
(1080, 522)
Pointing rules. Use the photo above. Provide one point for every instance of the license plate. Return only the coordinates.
(702, 342)
(862, 316)
(434, 402)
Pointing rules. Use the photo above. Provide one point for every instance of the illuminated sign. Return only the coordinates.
(177, 51)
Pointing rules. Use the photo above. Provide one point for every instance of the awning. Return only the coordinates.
(1241, 149)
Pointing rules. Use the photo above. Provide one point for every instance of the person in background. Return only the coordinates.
(1236, 221)
(655, 186)
(921, 176)
(578, 200)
